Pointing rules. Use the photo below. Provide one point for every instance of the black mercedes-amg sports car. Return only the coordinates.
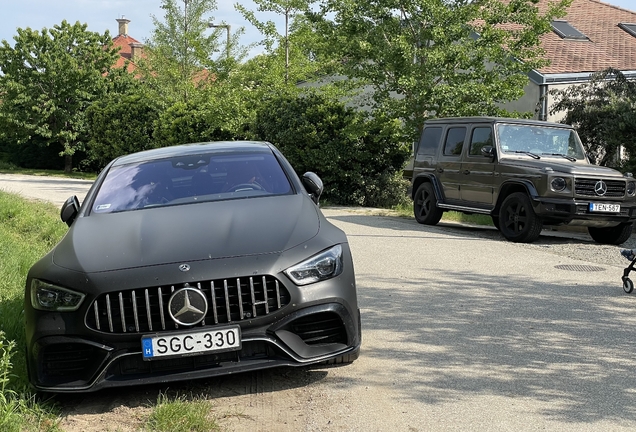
(188, 262)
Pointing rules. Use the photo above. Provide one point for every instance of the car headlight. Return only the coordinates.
(631, 188)
(325, 265)
(558, 184)
(45, 296)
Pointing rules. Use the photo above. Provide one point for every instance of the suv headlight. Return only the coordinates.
(45, 296)
(631, 188)
(325, 265)
(558, 184)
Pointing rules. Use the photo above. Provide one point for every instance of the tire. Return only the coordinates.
(614, 235)
(517, 219)
(628, 285)
(425, 205)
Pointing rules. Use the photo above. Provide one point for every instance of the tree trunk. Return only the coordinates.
(68, 164)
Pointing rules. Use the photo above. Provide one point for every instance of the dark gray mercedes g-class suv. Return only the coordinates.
(525, 174)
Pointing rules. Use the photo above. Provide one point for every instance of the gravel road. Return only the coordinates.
(462, 331)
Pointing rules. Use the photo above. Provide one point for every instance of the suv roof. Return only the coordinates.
(492, 120)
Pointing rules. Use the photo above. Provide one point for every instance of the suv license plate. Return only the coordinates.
(609, 208)
(191, 343)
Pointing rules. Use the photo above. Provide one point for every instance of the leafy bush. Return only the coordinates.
(358, 157)
(119, 125)
(217, 114)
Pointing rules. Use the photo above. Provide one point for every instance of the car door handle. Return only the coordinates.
(466, 172)
(440, 169)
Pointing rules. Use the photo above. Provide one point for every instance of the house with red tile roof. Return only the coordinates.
(591, 37)
(129, 47)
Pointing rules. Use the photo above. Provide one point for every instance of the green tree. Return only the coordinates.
(180, 54)
(48, 80)
(288, 9)
(425, 58)
(603, 111)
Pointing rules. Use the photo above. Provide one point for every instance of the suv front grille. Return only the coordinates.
(585, 187)
(146, 309)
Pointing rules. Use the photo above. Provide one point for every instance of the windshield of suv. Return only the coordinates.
(190, 179)
(540, 141)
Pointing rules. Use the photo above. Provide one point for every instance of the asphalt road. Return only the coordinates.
(462, 331)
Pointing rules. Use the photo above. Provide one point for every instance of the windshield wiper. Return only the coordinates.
(570, 158)
(532, 155)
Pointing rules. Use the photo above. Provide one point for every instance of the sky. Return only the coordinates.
(101, 15)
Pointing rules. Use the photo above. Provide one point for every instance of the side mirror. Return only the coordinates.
(69, 211)
(313, 185)
(488, 151)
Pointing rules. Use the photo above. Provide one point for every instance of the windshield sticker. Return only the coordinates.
(103, 207)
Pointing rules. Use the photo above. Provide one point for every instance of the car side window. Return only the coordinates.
(429, 141)
(454, 141)
(481, 137)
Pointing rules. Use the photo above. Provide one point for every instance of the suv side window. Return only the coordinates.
(454, 141)
(429, 141)
(481, 137)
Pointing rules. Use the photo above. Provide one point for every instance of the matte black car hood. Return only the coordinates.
(186, 233)
(565, 167)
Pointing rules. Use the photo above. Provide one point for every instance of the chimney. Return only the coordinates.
(123, 26)
(135, 50)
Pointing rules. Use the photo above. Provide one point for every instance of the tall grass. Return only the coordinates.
(27, 231)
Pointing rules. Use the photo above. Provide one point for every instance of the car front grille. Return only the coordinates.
(146, 309)
(585, 187)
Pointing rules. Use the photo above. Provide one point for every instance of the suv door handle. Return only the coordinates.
(440, 169)
(466, 172)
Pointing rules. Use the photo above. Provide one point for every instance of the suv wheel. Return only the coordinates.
(517, 219)
(614, 235)
(425, 205)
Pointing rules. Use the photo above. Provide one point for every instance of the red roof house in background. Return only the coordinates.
(591, 37)
(129, 47)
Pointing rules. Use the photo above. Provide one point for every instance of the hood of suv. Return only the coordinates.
(564, 166)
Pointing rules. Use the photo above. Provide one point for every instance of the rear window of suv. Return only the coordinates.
(429, 141)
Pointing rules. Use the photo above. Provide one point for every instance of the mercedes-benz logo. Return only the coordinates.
(600, 188)
(184, 267)
(188, 306)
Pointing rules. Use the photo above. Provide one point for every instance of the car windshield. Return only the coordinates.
(540, 141)
(190, 179)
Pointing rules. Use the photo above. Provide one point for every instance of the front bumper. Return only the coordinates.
(309, 335)
(577, 212)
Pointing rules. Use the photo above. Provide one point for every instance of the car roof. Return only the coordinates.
(492, 120)
(195, 148)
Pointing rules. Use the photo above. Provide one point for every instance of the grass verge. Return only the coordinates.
(7, 168)
(27, 231)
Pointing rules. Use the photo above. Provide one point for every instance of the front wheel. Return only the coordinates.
(628, 285)
(517, 220)
(425, 205)
(614, 235)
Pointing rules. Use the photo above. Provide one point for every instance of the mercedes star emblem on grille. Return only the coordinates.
(188, 306)
(600, 188)
(184, 267)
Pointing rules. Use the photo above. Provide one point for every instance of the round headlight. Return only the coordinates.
(558, 184)
(631, 188)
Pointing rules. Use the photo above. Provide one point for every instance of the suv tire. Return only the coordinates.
(517, 219)
(614, 235)
(425, 205)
